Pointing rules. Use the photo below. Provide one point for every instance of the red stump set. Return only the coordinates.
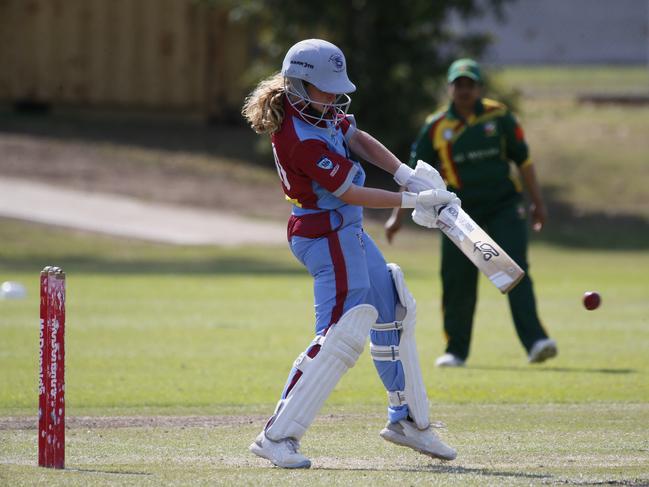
(51, 378)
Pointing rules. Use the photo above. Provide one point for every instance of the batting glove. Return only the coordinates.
(423, 177)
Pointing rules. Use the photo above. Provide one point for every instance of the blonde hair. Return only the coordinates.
(264, 107)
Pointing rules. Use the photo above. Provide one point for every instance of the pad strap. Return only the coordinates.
(393, 325)
(397, 398)
(303, 361)
(384, 353)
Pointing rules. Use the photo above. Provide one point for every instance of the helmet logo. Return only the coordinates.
(337, 61)
(304, 64)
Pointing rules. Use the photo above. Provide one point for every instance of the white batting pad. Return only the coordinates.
(340, 350)
(415, 391)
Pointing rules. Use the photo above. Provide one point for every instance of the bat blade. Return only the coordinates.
(480, 248)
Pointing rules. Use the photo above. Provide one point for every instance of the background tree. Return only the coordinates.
(397, 52)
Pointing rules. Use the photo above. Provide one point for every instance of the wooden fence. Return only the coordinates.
(176, 55)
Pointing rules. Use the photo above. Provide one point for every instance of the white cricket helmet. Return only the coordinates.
(323, 65)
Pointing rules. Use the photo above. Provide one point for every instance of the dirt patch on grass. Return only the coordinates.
(170, 162)
(93, 422)
(163, 175)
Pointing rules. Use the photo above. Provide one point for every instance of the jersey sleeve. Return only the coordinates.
(348, 126)
(422, 148)
(329, 169)
(517, 149)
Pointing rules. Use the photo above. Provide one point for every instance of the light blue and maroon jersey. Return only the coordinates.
(313, 163)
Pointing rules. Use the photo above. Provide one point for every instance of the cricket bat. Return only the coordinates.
(480, 248)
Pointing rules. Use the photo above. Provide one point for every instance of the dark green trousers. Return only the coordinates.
(508, 227)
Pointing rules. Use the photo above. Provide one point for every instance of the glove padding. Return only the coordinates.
(425, 177)
(428, 204)
(424, 218)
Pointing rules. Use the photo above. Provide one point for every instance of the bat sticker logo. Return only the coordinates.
(486, 249)
(452, 210)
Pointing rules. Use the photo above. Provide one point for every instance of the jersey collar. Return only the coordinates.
(478, 110)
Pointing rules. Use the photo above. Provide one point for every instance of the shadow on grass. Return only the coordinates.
(579, 370)
(111, 472)
(568, 226)
(150, 131)
(450, 469)
(216, 266)
(206, 267)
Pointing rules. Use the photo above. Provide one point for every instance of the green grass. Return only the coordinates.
(596, 158)
(498, 445)
(154, 329)
(193, 344)
(591, 160)
(569, 81)
(192, 333)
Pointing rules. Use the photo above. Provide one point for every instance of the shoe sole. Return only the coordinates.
(396, 438)
(259, 451)
(544, 355)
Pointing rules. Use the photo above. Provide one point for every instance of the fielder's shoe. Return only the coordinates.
(449, 360)
(542, 350)
(283, 453)
(406, 433)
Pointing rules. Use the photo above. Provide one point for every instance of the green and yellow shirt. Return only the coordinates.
(474, 156)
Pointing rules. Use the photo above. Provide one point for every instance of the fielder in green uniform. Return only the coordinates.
(479, 148)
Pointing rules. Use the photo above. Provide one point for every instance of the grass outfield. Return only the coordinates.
(207, 336)
(586, 444)
(566, 81)
(175, 356)
(591, 159)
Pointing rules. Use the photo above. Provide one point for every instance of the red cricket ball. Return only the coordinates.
(592, 300)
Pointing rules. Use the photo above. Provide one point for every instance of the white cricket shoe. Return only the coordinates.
(283, 453)
(449, 360)
(542, 350)
(406, 433)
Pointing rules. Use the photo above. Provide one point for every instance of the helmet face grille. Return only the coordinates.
(299, 99)
(295, 86)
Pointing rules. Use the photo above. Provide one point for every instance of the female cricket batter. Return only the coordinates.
(357, 294)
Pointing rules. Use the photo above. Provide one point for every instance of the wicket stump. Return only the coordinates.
(51, 379)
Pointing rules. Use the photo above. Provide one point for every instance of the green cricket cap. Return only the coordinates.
(464, 67)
